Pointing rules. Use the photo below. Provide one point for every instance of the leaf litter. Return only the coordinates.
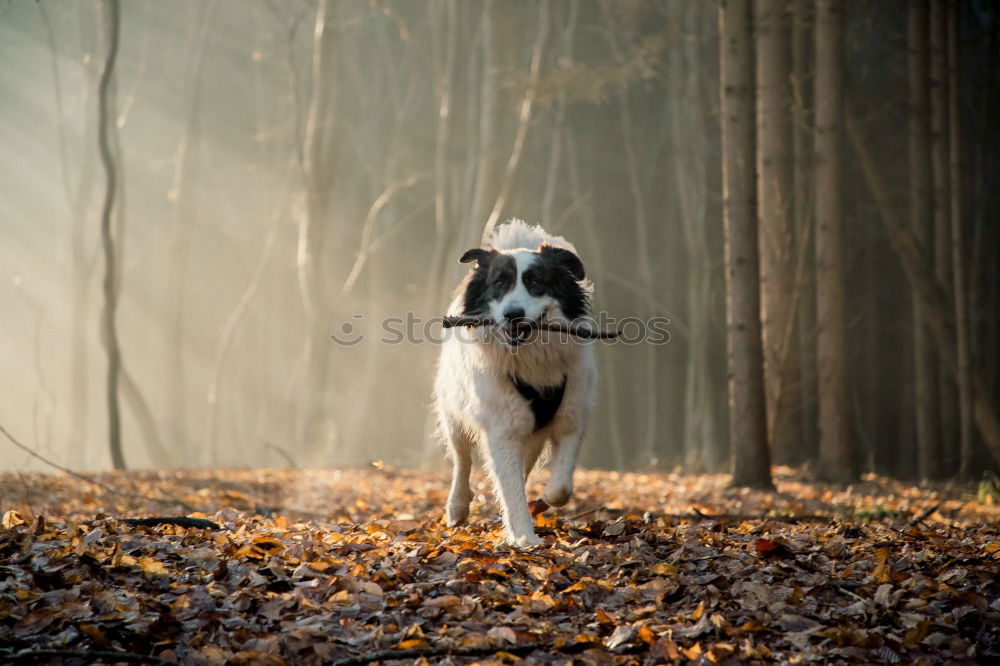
(355, 566)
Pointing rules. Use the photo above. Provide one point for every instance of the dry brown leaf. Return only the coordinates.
(380, 570)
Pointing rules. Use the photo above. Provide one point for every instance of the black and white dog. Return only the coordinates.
(512, 389)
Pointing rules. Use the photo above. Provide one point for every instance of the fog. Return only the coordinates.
(291, 174)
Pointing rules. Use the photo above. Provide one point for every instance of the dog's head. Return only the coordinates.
(522, 288)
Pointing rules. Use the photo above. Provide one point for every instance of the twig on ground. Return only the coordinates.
(383, 655)
(586, 513)
(698, 515)
(31, 656)
(179, 521)
(705, 558)
(114, 491)
(924, 515)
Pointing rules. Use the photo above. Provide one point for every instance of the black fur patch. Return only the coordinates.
(544, 402)
(557, 273)
(495, 274)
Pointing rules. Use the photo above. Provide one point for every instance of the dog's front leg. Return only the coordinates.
(560, 486)
(507, 469)
(461, 494)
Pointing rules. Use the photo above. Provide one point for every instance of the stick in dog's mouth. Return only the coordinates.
(521, 330)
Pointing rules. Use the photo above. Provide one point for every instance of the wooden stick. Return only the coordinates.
(179, 521)
(577, 331)
(32, 656)
(924, 515)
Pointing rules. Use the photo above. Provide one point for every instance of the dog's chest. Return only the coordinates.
(543, 401)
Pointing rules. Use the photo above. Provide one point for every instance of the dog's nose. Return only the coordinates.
(514, 315)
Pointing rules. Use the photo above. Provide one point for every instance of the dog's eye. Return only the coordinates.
(499, 284)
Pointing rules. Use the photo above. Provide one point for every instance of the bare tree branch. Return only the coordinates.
(524, 118)
(112, 7)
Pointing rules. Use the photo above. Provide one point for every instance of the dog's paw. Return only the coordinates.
(456, 517)
(457, 510)
(524, 540)
(557, 495)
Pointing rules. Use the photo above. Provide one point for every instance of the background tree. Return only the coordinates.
(967, 463)
(802, 48)
(318, 160)
(921, 219)
(704, 421)
(837, 455)
(779, 290)
(747, 418)
(948, 454)
(106, 118)
(307, 198)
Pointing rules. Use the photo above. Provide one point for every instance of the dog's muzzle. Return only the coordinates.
(517, 331)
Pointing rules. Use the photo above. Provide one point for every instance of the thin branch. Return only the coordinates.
(577, 516)
(284, 454)
(57, 85)
(32, 655)
(646, 295)
(923, 515)
(110, 294)
(99, 484)
(397, 227)
(242, 306)
(571, 210)
(366, 231)
(524, 117)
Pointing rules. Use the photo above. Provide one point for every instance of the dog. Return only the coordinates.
(512, 388)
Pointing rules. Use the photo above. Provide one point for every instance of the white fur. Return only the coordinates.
(477, 405)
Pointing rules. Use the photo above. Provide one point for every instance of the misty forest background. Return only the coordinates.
(281, 167)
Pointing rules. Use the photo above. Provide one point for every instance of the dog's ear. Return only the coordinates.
(564, 259)
(478, 255)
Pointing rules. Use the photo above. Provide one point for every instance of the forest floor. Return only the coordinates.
(355, 566)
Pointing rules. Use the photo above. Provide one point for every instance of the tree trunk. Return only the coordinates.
(444, 71)
(182, 231)
(319, 156)
(486, 115)
(935, 300)
(802, 194)
(748, 423)
(647, 448)
(106, 123)
(967, 457)
(78, 200)
(948, 452)
(921, 220)
(523, 118)
(982, 273)
(777, 252)
(838, 459)
(689, 172)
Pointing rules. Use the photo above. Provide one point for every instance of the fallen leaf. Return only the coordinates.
(621, 635)
(501, 635)
(537, 507)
